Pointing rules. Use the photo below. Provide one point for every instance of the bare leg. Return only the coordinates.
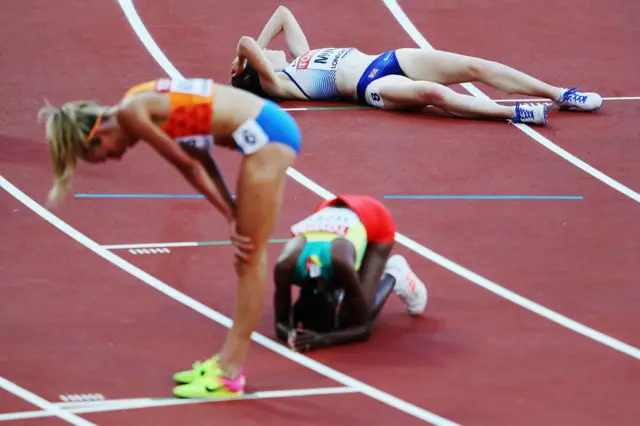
(451, 68)
(400, 92)
(260, 192)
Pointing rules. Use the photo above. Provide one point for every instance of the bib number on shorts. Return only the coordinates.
(191, 86)
(250, 137)
(374, 96)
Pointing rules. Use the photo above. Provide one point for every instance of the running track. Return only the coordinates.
(497, 344)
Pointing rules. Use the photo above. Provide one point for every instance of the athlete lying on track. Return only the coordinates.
(339, 258)
(180, 119)
(396, 79)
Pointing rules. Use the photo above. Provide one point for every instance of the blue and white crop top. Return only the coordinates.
(315, 72)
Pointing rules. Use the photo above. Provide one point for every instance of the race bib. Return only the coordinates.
(336, 220)
(373, 96)
(250, 137)
(191, 86)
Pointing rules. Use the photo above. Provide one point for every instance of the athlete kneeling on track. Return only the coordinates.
(397, 79)
(179, 119)
(339, 258)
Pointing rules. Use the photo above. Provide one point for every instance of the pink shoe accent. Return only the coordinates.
(237, 384)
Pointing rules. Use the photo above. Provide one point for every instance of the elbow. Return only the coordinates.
(282, 9)
(245, 43)
(366, 332)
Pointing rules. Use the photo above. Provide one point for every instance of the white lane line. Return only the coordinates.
(615, 98)
(407, 242)
(131, 14)
(137, 403)
(530, 100)
(150, 245)
(47, 407)
(419, 39)
(216, 316)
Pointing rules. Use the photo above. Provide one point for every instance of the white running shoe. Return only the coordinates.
(408, 286)
(581, 101)
(531, 114)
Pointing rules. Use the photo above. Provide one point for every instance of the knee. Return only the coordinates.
(255, 262)
(479, 69)
(340, 262)
(342, 255)
(285, 265)
(430, 93)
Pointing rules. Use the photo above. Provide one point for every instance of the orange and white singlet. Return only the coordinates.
(189, 122)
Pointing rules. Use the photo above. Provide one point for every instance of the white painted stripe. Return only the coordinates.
(48, 408)
(222, 319)
(534, 100)
(619, 98)
(147, 245)
(136, 403)
(419, 39)
(438, 259)
(80, 398)
(425, 252)
(276, 347)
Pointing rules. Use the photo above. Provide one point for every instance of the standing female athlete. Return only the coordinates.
(339, 258)
(181, 120)
(396, 79)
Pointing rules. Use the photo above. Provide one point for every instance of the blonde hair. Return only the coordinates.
(67, 133)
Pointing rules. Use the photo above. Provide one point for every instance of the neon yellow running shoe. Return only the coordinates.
(200, 368)
(212, 385)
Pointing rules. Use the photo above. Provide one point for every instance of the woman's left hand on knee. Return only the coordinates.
(243, 247)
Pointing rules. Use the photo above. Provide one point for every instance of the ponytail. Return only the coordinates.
(66, 132)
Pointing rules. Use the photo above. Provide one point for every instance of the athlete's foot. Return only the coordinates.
(581, 101)
(408, 286)
(199, 369)
(530, 114)
(212, 384)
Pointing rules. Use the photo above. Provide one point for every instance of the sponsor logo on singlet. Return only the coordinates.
(321, 59)
(190, 86)
(336, 220)
(305, 59)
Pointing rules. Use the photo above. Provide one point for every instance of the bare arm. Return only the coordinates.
(283, 21)
(356, 300)
(362, 302)
(135, 118)
(249, 50)
(357, 303)
(214, 173)
(282, 297)
(282, 276)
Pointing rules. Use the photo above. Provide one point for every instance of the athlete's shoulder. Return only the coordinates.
(140, 88)
(325, 203)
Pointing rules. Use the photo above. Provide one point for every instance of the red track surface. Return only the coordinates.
(74, 323)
